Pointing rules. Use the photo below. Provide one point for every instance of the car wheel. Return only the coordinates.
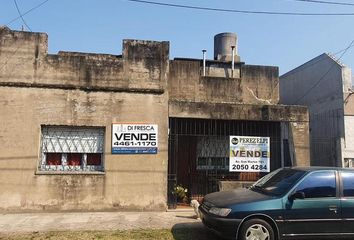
(256, 229)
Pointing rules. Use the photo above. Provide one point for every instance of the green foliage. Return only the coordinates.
(180, 192)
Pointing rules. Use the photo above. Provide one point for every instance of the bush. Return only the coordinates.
(180, 192)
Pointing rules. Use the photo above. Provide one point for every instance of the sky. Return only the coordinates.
(276, 40)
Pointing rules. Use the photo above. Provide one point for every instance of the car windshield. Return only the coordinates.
(278, 182)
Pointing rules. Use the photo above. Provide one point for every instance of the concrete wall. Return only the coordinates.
(315, 78)
(348, 141)
(319, 85)
(300, 138)
(252, 84)
(75, 89)
(296, 116)
(276, 113)
(348, 144)
(348, 91)
(24, 60)
(251, 95)
(141, 85)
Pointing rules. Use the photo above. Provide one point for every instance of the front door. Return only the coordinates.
(319, 213)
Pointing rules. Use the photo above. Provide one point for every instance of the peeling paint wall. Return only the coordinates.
(300, 133)
(79, 89)
(252, 94)
(277, 113)
(251, 84)
(141, 85)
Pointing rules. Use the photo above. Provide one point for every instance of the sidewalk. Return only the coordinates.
(40, 222)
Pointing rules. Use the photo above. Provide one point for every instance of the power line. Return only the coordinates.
(326, 2)
(21, 16)
(303, 66)
(318, 82)
(28, 11)
(239, 11)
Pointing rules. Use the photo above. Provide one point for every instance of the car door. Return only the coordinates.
(347, 202)
(318, 213)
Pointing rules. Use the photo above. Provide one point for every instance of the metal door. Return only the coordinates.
(199, 153)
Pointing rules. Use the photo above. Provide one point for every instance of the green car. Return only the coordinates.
(288, 203)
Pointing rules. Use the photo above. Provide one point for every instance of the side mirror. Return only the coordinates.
(297, 195)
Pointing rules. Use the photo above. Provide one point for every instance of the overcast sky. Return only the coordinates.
(99, 26)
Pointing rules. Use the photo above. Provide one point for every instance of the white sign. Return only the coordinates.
(249, 154)
(134, 138)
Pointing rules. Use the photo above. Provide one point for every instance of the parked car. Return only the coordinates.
(287, 203)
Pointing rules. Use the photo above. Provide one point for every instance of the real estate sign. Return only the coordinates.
(249, 154)
(134, 138)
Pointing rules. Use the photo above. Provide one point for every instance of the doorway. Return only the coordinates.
(199, 153)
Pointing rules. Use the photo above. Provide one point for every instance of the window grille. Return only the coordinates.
(68, 148)
(213, 153)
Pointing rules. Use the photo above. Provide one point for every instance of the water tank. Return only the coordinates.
(222, 46)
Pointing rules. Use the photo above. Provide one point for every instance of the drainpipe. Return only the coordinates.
(233, 61)
(204, 62)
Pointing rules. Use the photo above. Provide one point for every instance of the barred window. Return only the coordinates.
(76, 149)
(213, 153)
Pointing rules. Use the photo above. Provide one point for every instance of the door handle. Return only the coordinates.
(333, 209)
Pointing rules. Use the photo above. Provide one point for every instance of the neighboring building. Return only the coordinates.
(96, 131)
(325, 86)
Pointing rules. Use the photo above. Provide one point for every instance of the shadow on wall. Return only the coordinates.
(195, 231)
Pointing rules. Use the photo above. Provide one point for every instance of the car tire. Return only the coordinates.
(256, 229)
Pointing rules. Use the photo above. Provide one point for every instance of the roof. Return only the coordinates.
(313, 61)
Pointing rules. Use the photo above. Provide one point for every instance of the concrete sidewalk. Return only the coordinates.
(41, 222)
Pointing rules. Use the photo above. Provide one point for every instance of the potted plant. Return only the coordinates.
(181, 193)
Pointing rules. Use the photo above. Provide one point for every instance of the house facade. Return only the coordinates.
(324, 85)
(82, 131)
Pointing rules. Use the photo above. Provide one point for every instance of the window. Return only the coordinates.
(319, 185)
(212, 153)
(348, 184)
(53, 158)
(349, 162)
(76, 149)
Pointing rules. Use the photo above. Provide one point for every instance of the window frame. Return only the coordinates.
(348, 163)
(342, 184)
(64, 168)
(337, 184)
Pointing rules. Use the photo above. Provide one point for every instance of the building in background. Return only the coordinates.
(325, 86)
(82, 131)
